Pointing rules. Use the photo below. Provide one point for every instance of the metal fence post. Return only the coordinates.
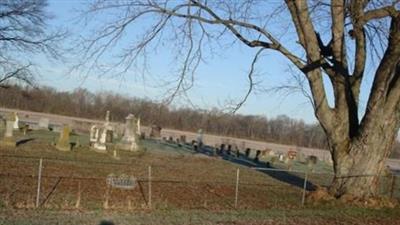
(237, 187)
(304, 189)
(38, 182)
(149, 179)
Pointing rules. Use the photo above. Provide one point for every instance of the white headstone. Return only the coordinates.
(9, 128)
(94, 134)
(15, 125)
(101, 142)
(138, 130)
(128, 141)
(200, 136)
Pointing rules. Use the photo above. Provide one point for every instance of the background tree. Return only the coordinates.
(358, 31)
(23, 32)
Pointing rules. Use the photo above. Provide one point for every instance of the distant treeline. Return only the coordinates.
(82, 103)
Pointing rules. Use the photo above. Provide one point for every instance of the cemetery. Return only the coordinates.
(118, 167)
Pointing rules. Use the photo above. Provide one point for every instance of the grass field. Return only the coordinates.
(186, 188)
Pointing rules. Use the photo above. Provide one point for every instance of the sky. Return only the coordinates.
(219, 79)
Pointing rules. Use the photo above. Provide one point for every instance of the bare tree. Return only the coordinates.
(358, 31)
(23, 32)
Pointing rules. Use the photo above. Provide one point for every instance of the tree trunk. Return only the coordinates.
(359, 163)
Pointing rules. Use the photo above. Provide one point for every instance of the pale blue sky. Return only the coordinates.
(222, 78)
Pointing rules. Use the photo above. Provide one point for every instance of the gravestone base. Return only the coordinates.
(99, 147)
(8, 142)
(127, 146)
(63, 147)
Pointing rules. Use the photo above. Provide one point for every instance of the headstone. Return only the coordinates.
(222, 149)
(109, 136)
(94, 134)
(63, 140)
(228, 151)
(237, 152)
(281, 157)
(257, 157)
(25, 129)
(128, 141)
(195, 147)
(301, 157)
(291, 154)
(138, 128)
(43, 123)
(247, 152)
(199, 137)
(100, 144)
(101, 136)
(9, 139)
(155, 131)
(16, 121)
(311, 162)
(182, 139)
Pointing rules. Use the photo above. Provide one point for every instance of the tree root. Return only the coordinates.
(322, 196)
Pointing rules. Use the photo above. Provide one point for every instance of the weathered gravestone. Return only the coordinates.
(311, 162)
(63, 141)
(128, 141)
(182, 139)
(9, 139)
(43, 123)
(155, 131)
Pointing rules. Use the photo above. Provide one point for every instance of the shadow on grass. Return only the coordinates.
(241, 159)
(23, 141)
(106, 222)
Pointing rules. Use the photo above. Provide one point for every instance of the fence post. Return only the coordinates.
(149, 179)
(38, 182)
(304, 189)
(392, 185)
(237, 187)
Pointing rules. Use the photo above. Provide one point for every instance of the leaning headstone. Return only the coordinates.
(43, 123)
(128, 141)
(63, 141)
(9, 139)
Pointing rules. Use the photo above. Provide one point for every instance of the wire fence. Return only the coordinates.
(29, 182)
